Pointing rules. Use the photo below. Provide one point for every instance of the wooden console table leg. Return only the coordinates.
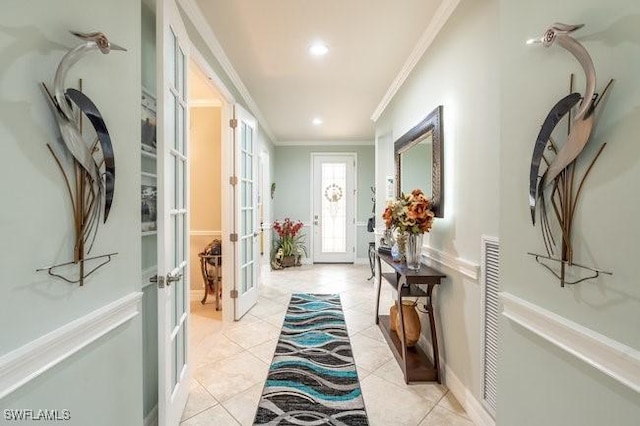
(379, 287)
(434, 337)
(400, 328)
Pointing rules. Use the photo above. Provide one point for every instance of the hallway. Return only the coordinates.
(231, 361)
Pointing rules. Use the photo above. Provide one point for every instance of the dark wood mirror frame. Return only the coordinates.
(432, 123)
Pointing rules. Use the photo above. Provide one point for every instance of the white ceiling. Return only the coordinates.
(267, 43)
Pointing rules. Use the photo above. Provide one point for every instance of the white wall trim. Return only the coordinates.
(202, 26)
(475, 410)
(24, 364)
(440, 17)
(204, 233)
(326, 143)
(151, 419)
(611, 357)
(465, 267)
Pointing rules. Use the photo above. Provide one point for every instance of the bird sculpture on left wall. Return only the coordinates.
(91, 180)
(68, 122)
(582, 122)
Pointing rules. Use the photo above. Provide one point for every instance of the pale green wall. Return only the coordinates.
(102, 383)
(149, 245)
(460, 72)
(293, 181)
(533, 373)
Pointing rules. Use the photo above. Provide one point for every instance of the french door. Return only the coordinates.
(246, 229)
(333, 208)
(173, 193)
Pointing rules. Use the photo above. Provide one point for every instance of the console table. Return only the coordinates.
(415, 364)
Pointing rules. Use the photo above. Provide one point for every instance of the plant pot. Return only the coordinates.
(288, 261)
(412, 326)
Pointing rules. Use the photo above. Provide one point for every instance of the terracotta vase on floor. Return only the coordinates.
(393, 316)
(412, 326)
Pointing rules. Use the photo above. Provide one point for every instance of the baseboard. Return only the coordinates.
(151, 419)
(24, 364)
(195, 295)
(471, 405)
(616, 360)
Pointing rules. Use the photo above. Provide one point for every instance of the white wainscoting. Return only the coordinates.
(476, 412)
(22, 365)
(205, 233)
(465, 267)
(611, 357)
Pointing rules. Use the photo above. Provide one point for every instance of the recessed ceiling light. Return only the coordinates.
(317, 121)
(318, 48)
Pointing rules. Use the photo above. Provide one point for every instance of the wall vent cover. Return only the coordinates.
(490, 282)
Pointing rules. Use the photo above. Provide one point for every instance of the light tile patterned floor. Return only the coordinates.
(231, 360)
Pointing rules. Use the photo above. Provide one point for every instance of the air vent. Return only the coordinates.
(490, 315)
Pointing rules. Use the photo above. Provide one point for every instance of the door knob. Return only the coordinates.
(174, 276)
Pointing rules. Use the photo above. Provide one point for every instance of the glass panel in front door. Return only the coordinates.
(334, 208)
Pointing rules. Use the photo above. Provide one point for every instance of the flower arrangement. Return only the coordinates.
(287, 243)
(409, 213)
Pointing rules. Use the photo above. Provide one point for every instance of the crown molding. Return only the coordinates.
(202, 26)
(325, 143)
(440, 17)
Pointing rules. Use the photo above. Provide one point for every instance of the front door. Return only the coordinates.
(172, 148)
(333, 208)
(246, 229)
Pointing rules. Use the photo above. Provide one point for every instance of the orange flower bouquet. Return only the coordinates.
(410, 215)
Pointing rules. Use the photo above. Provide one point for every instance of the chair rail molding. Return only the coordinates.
(465, 267)
(616, 360)
(22, 365)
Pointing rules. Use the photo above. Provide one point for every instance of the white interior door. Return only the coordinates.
(173, 193)
(246, 229)
(333, 188)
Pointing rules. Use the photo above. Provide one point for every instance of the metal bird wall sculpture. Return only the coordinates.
(560, 170)
(85, 184)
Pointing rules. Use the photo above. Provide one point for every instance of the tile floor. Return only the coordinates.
(231, 360)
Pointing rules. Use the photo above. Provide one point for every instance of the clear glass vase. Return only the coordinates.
(414, 251)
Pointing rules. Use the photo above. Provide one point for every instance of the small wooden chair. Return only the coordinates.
(211, 267)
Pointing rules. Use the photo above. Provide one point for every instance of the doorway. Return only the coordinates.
(333, 189)
(205, 201)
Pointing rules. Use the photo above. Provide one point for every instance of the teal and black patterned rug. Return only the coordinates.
(313, 378)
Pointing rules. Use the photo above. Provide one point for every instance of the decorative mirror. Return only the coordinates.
(419, 160)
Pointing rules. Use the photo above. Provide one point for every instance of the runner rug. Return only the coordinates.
(313, 378)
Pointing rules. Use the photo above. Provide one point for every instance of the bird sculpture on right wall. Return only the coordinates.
(581, 123)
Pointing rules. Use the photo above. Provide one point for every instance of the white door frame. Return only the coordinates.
(226, 190)
(354, 231)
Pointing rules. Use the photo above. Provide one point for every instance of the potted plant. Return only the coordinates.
(288, 244)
